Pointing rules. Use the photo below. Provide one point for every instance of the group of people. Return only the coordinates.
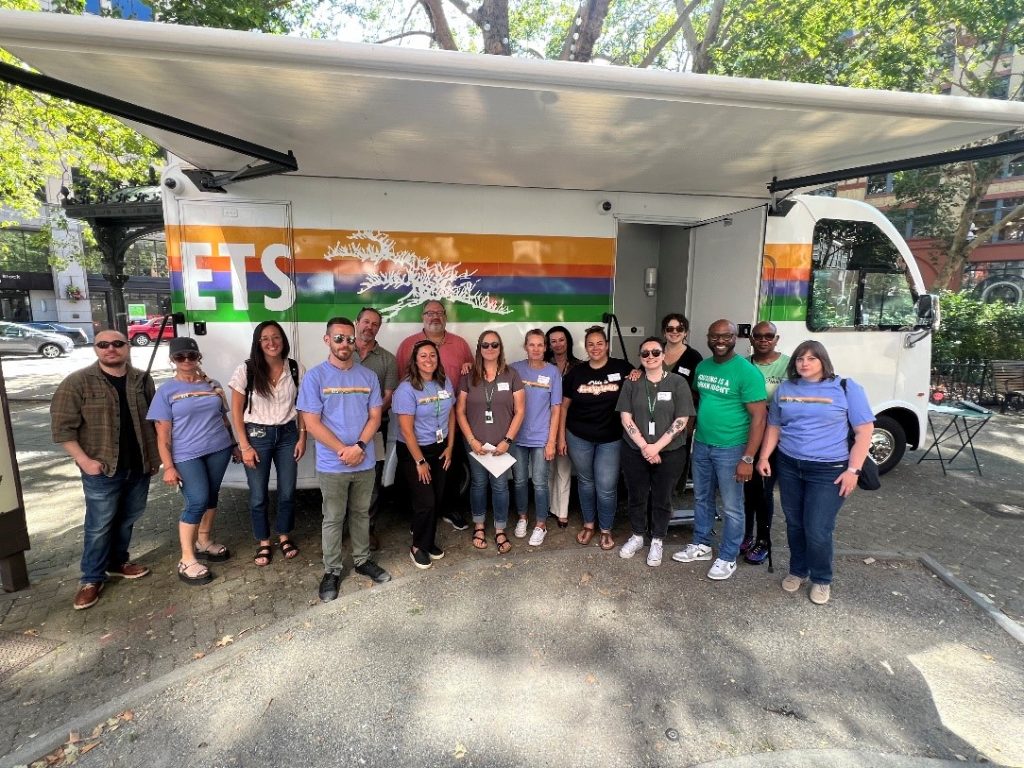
(786, 418)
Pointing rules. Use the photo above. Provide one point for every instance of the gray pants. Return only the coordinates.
(343, 491)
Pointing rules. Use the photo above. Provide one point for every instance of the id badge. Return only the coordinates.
(439, 436)
(650, 428)
(488, 417)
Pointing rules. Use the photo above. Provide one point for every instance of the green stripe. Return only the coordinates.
(780, 310)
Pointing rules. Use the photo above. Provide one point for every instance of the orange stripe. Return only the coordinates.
(790, 255)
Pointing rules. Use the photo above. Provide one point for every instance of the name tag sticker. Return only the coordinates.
(503, 386)
(683, 371)
(543, 379)
(664, 395)
(614, 377)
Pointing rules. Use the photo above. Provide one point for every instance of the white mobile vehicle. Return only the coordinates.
(524, 193)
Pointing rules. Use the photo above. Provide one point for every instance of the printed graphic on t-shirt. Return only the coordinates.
(713, 383)
(545, 384)
(794, 399)
(345, 391)
(597, 387)
(186, 395)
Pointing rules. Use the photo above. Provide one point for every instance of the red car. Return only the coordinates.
(143, 332)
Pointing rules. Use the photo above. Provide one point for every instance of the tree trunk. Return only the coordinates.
(492, 18)
(439, 24)
(580, 39)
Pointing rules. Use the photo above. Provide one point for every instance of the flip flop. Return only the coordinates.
(479, 539)
(585, 535)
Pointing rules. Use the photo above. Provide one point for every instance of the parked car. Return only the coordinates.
(77, 335)
(143, 332)
(17, 339)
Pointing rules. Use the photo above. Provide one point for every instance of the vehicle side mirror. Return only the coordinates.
(928, 310)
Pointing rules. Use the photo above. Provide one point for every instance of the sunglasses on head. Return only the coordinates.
(650, 353)
(763, 336)
(181, 357)
(342, 338)
(116, 344)
(490, 345)
(674, 329)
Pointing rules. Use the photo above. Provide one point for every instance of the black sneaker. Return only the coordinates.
(329, 587)
(373, 571)
(435, 552)
(456, 521)
(420, 558)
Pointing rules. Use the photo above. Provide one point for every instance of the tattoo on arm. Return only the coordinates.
(677, 426)
(631, 429)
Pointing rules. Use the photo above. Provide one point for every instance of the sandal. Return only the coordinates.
(585, 535)
(288, 549)
(194, 573)
(214, 553)
(607, 542)
(264, 553)
(479, 539)
(563, 522)
(501, 542)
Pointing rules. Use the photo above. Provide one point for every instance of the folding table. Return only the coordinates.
(955, 427)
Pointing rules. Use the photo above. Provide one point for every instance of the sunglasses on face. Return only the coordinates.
(674, 329)
(490, 345)
(341, 338)
(116, 344)
(763, 336)
(181, 357)
(650, 353)
(721, 336)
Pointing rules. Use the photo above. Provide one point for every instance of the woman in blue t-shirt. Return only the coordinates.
(426, 438)
(809, 420)
(196, 443)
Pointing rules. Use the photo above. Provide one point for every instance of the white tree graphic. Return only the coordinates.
(404, 269)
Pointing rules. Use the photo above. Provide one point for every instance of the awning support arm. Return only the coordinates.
(924, 161)
(273, 161)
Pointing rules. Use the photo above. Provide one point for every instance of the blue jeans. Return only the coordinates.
(112, 505)
(479, 479)
(200, 483)
(811, 502)
(277, 445)
(530, 464)
(714, 469)
(597, 476)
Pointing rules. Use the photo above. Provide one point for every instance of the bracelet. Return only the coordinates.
(247, 448)
(301, 430)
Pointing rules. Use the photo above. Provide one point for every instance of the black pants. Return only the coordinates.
(655, 481)
(759, 502)
(426, 498)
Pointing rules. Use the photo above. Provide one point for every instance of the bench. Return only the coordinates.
(1008, 382)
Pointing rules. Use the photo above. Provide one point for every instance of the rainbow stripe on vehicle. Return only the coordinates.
(785, 281)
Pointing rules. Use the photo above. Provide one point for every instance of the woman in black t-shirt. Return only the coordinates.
(591, 433)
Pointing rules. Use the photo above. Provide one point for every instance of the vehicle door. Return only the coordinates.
(16, 341)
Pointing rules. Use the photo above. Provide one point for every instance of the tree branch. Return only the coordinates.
(400, 35)
(439, 21)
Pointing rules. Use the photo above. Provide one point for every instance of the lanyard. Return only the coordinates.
(652, 401)
(437, 404)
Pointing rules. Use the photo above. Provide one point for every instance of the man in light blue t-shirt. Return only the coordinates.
(341, 405)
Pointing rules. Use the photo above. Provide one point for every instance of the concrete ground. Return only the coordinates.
(492, 661)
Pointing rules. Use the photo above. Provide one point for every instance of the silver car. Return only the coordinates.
(16, 339)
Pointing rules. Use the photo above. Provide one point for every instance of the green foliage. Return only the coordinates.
(262, 15)
(973, 330)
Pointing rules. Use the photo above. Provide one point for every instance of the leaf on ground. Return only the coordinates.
(96, 732)
(590, 679)
(460, 750)
(225, 641)
(74, 737)
(198, 655)
(128, 715)
(31, 632)
(585, 578)
(89, 746)
(868, 560)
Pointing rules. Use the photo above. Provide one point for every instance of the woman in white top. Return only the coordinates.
(269, 429)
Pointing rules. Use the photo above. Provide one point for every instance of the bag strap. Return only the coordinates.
(294, 368)
(250, 376)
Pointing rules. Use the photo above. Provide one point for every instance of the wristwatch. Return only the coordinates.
(362, 445)
(421, 462)
(747, 459)
(508, 439)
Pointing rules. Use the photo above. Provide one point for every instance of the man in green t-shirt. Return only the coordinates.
(758, 498)
(730, 423)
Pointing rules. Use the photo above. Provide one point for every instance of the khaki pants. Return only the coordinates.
(343, 491)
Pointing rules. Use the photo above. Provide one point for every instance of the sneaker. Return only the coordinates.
(792, 583)
(722, 570)
(456, 521)
(746, 544)
(371, 570)
(435, 552)
(633, 545)
(820, 593)
(654, 553)
(693, 552)
(537, 537)
(87, 596)
(520, 530)
(129, 571)
(420, 558)
(329, 587)
(758, 553)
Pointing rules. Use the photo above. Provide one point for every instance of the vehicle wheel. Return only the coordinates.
(51, 351)
(888, 443)
(140, 340)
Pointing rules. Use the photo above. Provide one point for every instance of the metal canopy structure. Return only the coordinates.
(377, 112)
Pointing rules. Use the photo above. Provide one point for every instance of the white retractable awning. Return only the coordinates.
(377, 112)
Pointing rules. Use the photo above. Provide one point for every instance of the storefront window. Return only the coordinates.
(15, 306)
(24, 250)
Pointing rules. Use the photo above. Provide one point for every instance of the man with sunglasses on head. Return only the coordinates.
(340, 401)
(98, 416)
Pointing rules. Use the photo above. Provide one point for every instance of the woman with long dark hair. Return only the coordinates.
(264, 389)
(809, 419)
(559, 353)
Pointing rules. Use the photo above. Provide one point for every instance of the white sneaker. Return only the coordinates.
(693, 552)
(520, 528)
(654, 554)
(537, 537)
(722, 570)
(633, 545)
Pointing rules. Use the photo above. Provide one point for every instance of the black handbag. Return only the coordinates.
(868, 479)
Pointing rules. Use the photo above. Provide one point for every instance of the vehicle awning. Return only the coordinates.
(379, 112)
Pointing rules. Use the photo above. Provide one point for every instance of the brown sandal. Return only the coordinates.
(607, 542)
(585, 535)
(501, 542)
(479, 538)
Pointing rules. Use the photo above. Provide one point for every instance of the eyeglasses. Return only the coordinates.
(650, 353)
(490, 345)
(433, 313)
(763, 336)
(674, 329)
(721, 336)
(116, 344)
(341, 338)
(181, 357)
